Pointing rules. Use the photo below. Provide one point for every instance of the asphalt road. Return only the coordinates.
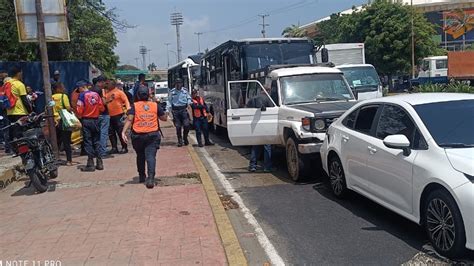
(308, 226)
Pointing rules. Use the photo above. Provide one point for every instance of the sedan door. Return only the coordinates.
(355, 137)
(246, 125)
(389, 171)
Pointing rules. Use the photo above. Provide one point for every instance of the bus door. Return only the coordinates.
(247, 125)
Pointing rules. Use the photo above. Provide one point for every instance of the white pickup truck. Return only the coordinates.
(306, 100)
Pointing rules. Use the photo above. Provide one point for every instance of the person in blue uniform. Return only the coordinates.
(178, 103)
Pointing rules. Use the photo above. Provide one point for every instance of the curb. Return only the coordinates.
(233, 250)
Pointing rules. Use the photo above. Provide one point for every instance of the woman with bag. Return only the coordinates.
(63, 133)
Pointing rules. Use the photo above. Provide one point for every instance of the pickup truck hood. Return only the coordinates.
(462, 160)
(325, 107)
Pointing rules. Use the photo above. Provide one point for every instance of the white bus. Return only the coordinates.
(188, 70)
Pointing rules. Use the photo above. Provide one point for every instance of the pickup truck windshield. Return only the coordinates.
(260, 55)
(314, 88)
(449, 123)
(362, 78)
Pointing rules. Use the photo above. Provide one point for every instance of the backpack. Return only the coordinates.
(7, 99)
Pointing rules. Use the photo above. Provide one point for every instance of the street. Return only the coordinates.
(307, 225)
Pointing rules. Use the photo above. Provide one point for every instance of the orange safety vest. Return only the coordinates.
(146, 117)
(197, 112)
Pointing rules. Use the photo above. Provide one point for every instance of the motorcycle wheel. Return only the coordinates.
(38, 180)
(53, 174)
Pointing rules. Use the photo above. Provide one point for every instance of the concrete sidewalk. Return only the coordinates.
(107, 218)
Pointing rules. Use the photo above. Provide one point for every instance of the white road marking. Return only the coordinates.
(262, 238)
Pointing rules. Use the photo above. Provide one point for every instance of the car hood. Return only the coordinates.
(462, 160)
(325, 107)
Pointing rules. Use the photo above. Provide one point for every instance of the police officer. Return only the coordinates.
(200, 115)
(178, 103)
(143, 118)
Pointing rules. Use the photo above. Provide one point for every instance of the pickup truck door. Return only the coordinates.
(250, 126)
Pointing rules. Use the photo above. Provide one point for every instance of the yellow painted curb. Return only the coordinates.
(233, 251)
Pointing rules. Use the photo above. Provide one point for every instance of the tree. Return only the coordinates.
(92, 33)
(127, 67)
(293, 31)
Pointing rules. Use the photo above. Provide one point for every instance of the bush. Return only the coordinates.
(459, 87)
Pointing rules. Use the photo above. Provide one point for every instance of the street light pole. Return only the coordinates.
(413, 68)
(46, 83)
(199, 42)
(168, 53)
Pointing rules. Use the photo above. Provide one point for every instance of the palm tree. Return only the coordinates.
(293, 31)
(458, 23)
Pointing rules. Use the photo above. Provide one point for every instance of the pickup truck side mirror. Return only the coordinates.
(263, 108)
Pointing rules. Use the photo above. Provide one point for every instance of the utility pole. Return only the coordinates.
(177, 20)
(199, 42)
(46, 83)
(413, 68)
(263, 24)
(136, 62)
(143, 51)
(168, 53)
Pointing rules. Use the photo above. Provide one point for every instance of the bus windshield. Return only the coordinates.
(261, 55)
(364, 77)
(314, 88)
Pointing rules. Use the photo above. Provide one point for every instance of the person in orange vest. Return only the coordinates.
(200, 114)
(143, 118)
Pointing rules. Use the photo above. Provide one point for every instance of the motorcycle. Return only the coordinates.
(35, 151)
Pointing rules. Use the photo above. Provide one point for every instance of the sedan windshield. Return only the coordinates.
(450, 123)
(314, 88)
(362, 78)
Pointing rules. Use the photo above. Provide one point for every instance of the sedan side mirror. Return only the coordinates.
(263, 108)
(399, 142)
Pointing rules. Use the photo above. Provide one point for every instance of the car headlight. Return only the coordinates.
(470, 177)
(319, 124)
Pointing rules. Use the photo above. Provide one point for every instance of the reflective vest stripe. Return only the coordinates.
(146, 117)
(196, 111)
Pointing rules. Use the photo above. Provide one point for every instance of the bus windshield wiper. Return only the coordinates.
(456, 145)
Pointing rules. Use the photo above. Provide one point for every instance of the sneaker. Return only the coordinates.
(186, 142)
(90, 167)
(252, 169)
(180, 144)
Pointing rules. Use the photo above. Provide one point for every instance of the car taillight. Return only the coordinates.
(22, 149)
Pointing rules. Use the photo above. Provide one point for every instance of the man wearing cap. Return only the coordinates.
(89, 107)
(104, 118)
(178, 103)
(143, 118)
(56, 77)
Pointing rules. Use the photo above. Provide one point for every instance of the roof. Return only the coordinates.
(185, 63)
(424, 98)
(293, 71)
(437, 57)
(354, 65)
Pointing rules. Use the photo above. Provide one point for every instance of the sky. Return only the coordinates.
(218, 20)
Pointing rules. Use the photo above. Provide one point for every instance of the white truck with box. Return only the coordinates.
(350, 59)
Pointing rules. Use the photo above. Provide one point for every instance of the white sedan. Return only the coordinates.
(413, 154)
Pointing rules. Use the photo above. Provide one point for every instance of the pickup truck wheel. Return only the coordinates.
(294, 161)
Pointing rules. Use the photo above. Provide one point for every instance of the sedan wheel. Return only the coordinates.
(444, 225)
(337, 177)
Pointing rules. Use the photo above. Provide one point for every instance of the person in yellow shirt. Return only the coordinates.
(117, 104)
(22, 106)
(64, 136)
